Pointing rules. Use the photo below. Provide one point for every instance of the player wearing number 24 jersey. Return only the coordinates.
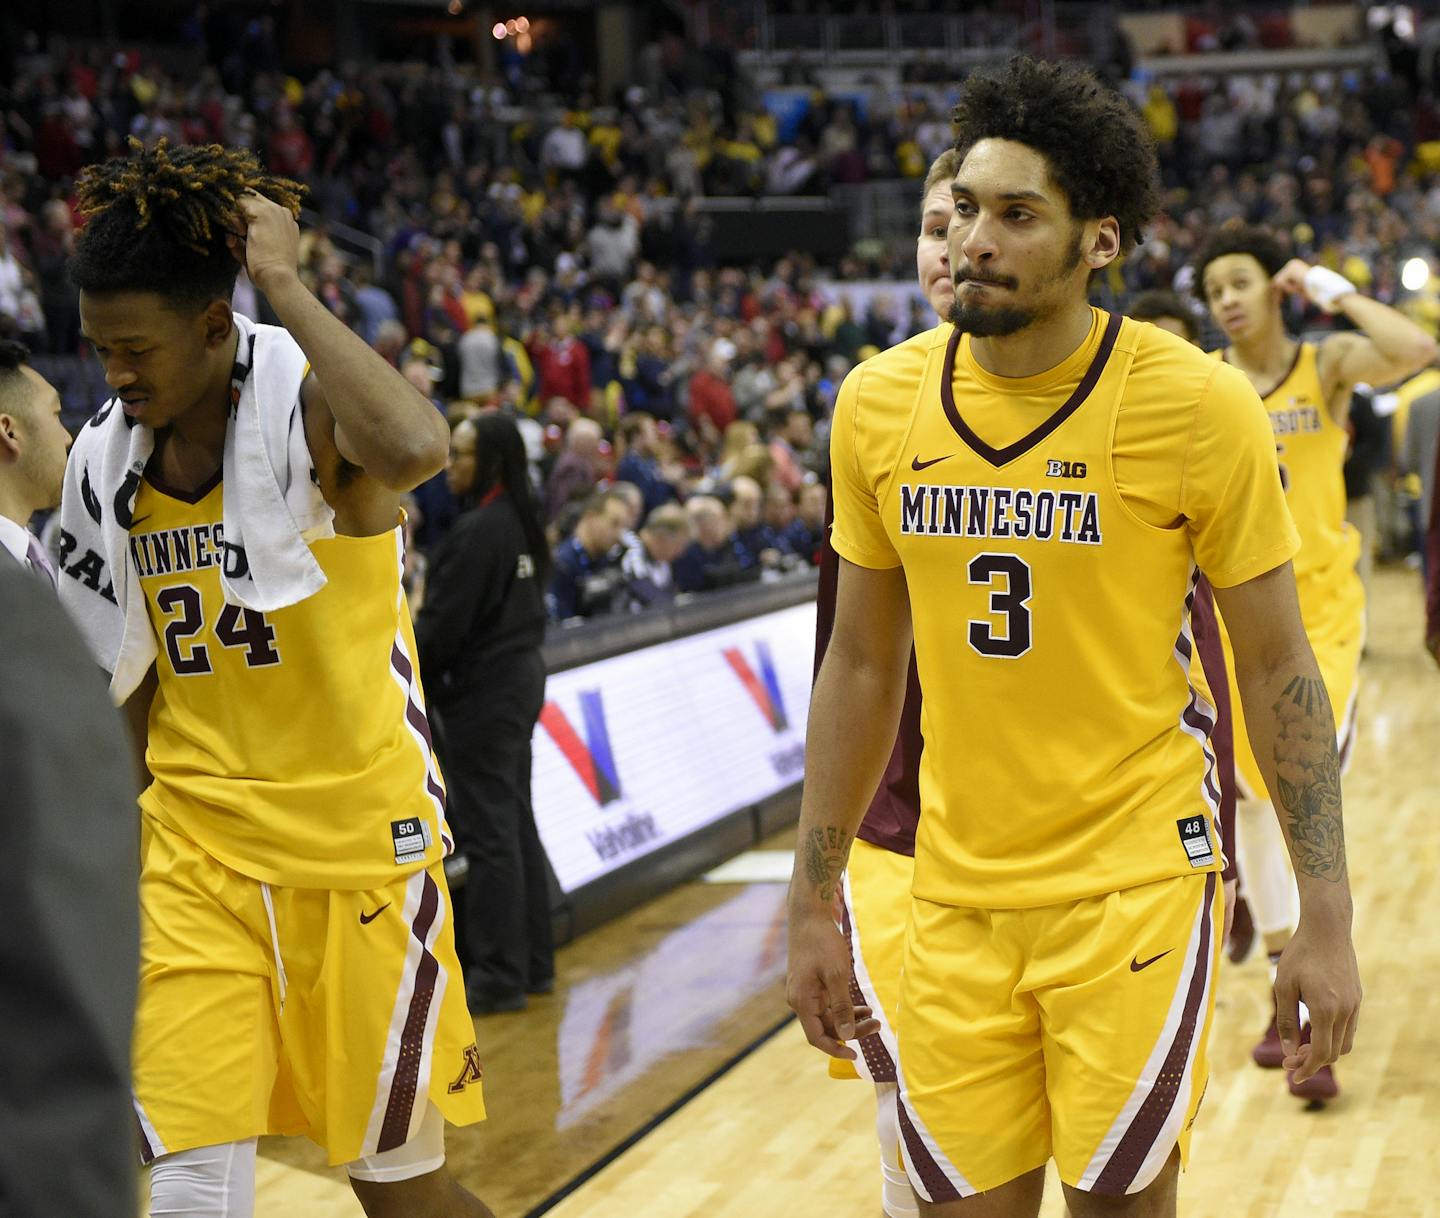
(298, 965)
(1031, 492)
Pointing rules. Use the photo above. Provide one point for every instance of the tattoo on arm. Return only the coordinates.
(1307, 773)
(826, 851)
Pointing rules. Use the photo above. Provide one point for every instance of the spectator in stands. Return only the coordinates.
(389, 341)
(806, 533)
(482, 364)
(649, 582)
(587, 574)
(714, 558)
(712, 404)
(564, 147)
(479, 634)
(374, 306)
(628, 494)
(577, 472)
(612, 246)
(790, 447)
(759, 544)
(561, 363)
(52, 243)
(639, 464)
(12, 276)
(779, 513)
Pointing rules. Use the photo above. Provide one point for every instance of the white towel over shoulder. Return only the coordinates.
(272, 508)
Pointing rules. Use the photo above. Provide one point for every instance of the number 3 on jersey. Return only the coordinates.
(236, 627)
(1008, 578)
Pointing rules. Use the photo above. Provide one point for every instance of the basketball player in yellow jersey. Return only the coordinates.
(298, 963)
(1306, 388)
(1028, 494)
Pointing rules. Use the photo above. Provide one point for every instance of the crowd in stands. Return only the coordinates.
(552, 260)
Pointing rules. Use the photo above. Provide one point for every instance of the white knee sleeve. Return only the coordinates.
(421, 1155)
(1265, 868)
(207, 1182)
(897, 1198)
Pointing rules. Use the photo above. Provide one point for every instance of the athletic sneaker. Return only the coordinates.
(1269, 1054)
(1319, 1088)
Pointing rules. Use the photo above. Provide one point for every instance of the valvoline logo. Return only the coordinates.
(591, 759)
(764, 688)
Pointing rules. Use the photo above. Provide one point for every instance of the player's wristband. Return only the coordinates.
(1325, 287)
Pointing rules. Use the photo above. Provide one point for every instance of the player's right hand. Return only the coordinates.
(817, 986)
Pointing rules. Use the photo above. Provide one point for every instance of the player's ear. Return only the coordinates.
(1101, 242)
(9, 438)
(216, 322)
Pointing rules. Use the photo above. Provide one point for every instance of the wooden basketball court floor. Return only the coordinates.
(666, 1042)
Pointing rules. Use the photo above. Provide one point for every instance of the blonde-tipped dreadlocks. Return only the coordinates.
(158, 219)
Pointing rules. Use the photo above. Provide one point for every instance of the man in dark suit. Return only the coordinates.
(33, 444)
(69, 951)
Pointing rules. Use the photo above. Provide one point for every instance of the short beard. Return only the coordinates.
(981, 322)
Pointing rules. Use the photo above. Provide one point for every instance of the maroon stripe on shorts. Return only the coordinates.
(936, 1182)
(1119, 1173)
(877, 1057)
(395, 1128)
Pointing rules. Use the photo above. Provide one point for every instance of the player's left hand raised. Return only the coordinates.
(268, 243)
(1318, 966)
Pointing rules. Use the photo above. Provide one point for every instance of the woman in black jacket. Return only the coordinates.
(479, 634)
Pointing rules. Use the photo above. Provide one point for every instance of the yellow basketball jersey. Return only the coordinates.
(1311, 449)
(292, 746)
(1066, 751)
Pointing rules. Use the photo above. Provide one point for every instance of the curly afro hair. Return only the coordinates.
(1099, 149)
(157, 220)
(1235, 238)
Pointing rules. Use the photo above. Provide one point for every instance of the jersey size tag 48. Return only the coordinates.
(1195, 837)
(411, 837)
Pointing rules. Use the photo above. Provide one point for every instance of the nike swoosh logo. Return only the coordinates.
(917, 465)
(366, 919)
(1137, 965)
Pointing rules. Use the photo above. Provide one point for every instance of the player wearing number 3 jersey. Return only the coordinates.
(298, 967)
(1031, 493)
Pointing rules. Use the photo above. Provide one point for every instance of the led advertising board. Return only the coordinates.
(639, 750)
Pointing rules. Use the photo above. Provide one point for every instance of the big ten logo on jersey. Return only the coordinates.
(593, 761)
(524, 567)
(1065, 469)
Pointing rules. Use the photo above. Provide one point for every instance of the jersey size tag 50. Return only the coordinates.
(1195, 837)
(411, 837)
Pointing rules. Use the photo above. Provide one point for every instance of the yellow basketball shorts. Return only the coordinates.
(1337, 648)
(1074, 1031)
(332, 1013)
(875, 897)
